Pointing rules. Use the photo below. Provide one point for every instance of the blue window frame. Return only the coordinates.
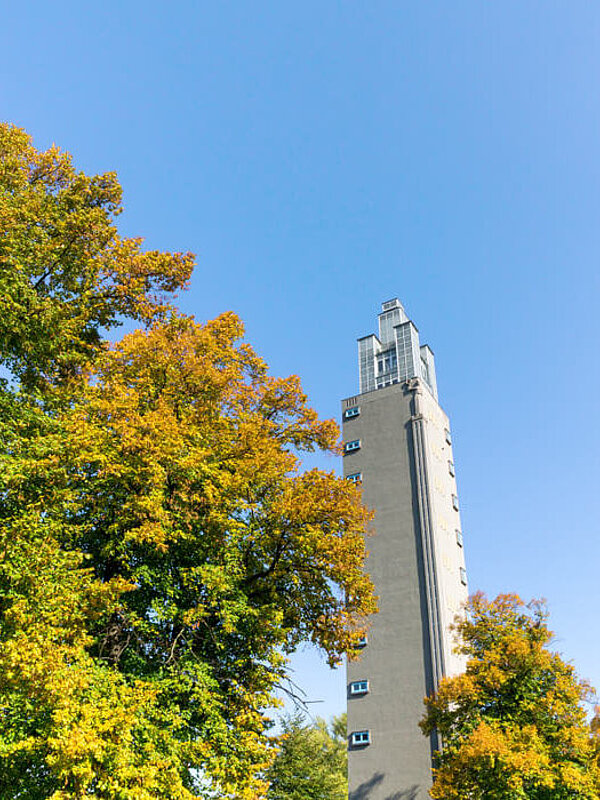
(356, 477)
(349, 413)
(360, 738)
(351, 447)
(359, 687)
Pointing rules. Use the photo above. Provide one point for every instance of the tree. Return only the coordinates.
(162, 552)
(71, 727)
(65, 272)
(312, 761)
(512, 725)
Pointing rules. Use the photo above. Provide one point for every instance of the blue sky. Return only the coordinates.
(321, 157)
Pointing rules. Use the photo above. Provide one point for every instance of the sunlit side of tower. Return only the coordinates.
(398, 447)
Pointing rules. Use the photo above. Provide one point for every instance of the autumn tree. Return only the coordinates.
(161, 551)
(312, 761)
(513, 725)
(65, 272)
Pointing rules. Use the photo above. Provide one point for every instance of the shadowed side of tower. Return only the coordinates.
(397, 446)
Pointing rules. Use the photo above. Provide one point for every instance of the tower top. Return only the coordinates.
(396, 354)
(392, 314)
(393, 303)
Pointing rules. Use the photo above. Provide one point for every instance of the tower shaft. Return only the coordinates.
(397, 446)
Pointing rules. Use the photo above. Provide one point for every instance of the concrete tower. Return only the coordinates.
(397, 445)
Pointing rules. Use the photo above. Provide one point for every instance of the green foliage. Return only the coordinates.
(64, 270)
(160, 550)
(512, 725)
(312, 761)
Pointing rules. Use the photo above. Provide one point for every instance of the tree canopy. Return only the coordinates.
(312, 761)
(65, 272)
(161, 550)
(513, 725)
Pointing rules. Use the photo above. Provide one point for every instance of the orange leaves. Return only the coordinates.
(518, 752)
(512, 725)
(319, 523)
(165, 552)
(283, 403)
(206, 442)
(186, 404)
(139, 281)
(176, 472)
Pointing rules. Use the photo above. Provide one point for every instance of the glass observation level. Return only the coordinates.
(396, 354)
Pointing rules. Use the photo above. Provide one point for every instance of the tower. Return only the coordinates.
(398, 447)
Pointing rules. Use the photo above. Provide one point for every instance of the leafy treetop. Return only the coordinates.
(160, 549)
(512, 725)
(312, 760)
(65, 272)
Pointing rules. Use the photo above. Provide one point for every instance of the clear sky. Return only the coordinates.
(321, 157)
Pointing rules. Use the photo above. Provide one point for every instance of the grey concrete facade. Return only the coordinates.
(398, 448)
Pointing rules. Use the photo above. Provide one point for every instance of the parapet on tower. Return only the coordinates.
(398, 447)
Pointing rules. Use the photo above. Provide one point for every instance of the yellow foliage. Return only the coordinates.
(210, 554)
(512, 725)
(161, 551)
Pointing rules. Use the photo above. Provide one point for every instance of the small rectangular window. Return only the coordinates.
(455, 502)
(463, 576)
(349, 413)
(363, 641)
(459, 539)
(448, 436)
(356, 477)
(359, 738)
(350, 447)
(359, 687)
(451, 468)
